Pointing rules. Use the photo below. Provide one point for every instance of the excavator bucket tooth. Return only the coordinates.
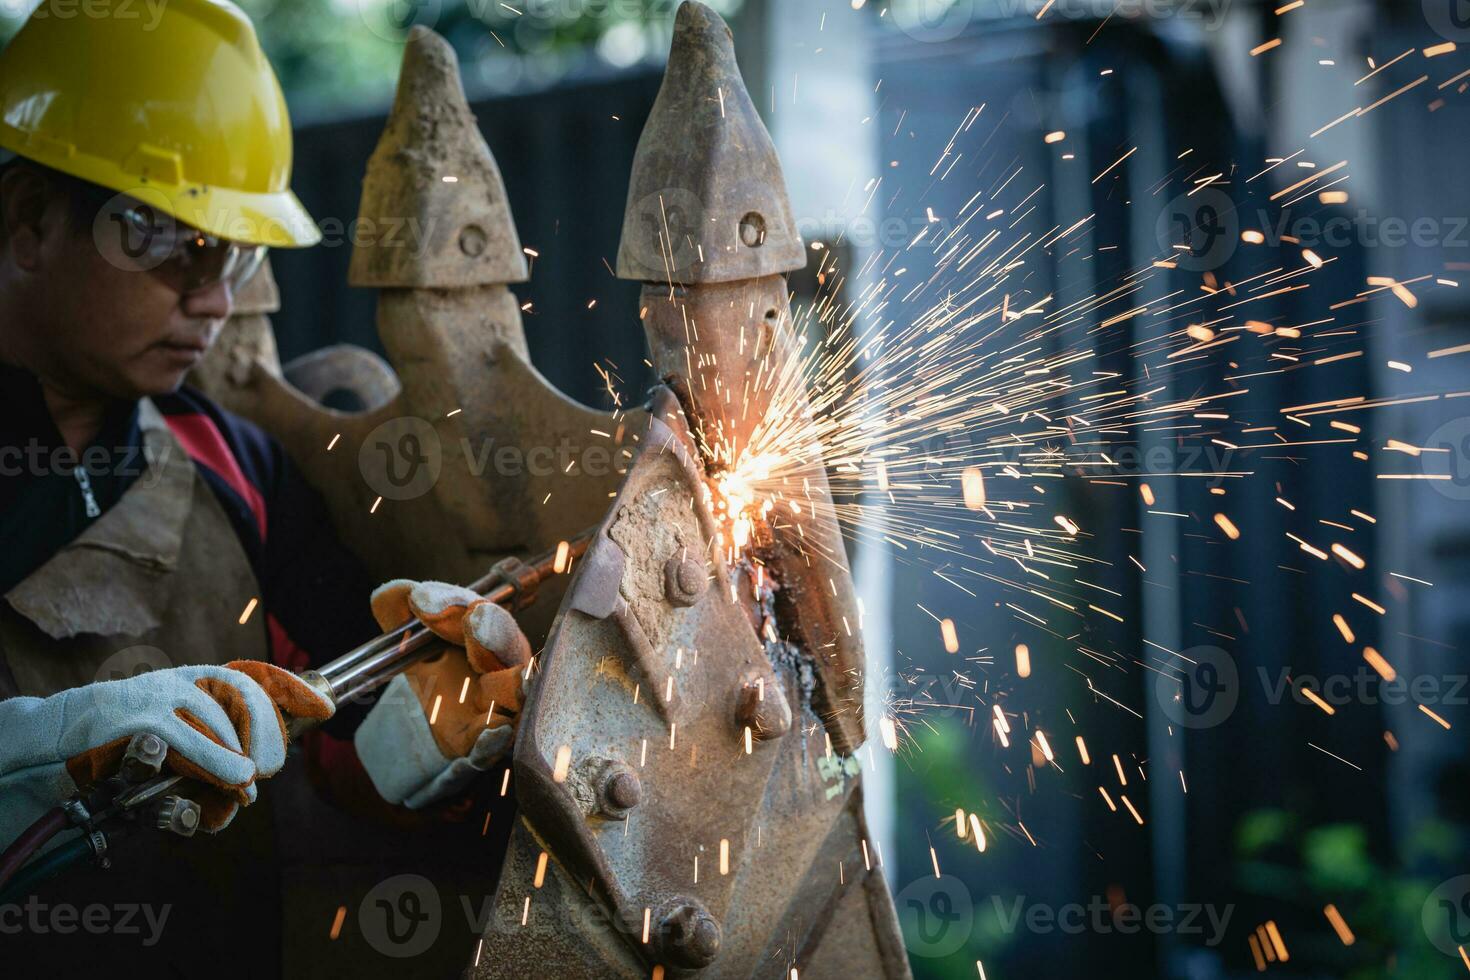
(462, 453)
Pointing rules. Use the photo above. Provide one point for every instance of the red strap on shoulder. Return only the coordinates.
(204, 443)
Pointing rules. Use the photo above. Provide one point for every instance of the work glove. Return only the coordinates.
(444, 721)
(223, 725)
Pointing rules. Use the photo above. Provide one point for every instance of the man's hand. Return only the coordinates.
(444, 721)
(223, 725)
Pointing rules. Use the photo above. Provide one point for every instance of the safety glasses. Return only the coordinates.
(188, 258)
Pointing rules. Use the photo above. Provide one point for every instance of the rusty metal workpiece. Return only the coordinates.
(718, 320)
(675, 839)
(441, 256)
(737, 708)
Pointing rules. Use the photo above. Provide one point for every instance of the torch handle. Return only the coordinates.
(511, 583)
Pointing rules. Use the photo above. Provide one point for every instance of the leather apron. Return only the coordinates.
(159, 580)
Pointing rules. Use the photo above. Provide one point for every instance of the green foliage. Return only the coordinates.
(1300, 870)
(342, 56)
(937, 774)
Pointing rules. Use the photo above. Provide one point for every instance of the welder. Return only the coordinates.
(144, 171)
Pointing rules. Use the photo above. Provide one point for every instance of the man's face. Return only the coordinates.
(103, 326)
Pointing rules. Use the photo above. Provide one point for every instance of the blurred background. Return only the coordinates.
(1260, 832)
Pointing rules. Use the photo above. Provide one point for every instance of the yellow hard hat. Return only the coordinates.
(172, 103)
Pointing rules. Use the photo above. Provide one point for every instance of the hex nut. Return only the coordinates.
(689, 937)
(143, 758)
(177, 815)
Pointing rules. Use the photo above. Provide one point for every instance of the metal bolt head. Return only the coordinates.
(178, 815)
(143, 758)
(689, 936)
(685, 580)
(621, 792)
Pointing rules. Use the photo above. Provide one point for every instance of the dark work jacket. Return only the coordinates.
(182, 535)
(186, 515)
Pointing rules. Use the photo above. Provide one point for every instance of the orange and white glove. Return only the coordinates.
(442, 722)
(223, 725)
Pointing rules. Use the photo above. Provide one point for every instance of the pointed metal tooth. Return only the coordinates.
(707, 200)
(434, 212)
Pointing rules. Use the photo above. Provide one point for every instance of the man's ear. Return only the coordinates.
(22, 205)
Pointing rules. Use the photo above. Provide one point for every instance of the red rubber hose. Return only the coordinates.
(31, 840)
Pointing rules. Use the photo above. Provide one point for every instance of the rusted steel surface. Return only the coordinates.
(706, 200)
(744, 339)
(718, 322)
(686, 764)
(441, 215)
(672, 840)
(474, 454)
